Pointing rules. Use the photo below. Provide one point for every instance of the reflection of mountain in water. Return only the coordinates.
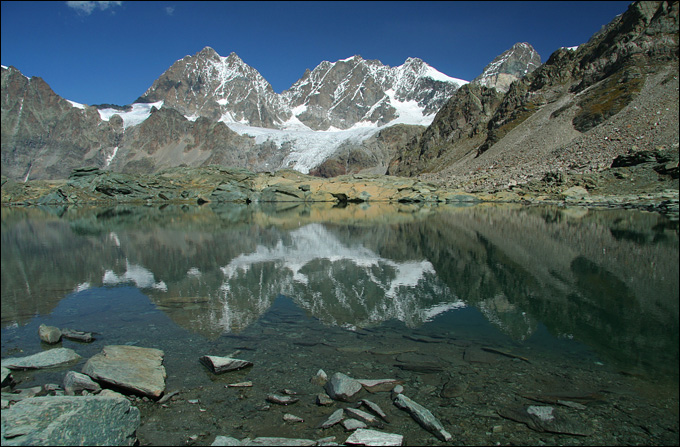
(337, 283)
(608, 279)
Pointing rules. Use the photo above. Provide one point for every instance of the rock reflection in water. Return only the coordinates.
(608, 279)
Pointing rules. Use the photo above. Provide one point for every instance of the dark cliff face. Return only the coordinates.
(608, 72)
(43, 135)
(463, 119)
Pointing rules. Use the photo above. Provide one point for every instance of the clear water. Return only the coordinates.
(589, 298)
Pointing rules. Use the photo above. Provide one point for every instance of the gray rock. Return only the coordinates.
(77, 335)
(220, 365)
(353, 424)
(49, 334)
(320, 378)
(6, 377)
(45, 359)
(134, 368)
(379, 385)
(342, 387)
(281, 400)
(375, 408)
(544, 418)
(333, 419)
(65, 420)
(423, 416)
(292, 418)
(226, 441)
(75, 382)
(374, 437)
(274, 441)
(323, 399)
(363, 416)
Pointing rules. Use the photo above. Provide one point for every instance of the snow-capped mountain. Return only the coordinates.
(219, 88)
(354, 92)
(219, 110)
(338, 95)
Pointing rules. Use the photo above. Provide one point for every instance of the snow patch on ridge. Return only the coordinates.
(139, 113)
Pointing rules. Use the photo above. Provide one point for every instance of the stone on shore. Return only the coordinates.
(45, 359)
(49, 334)
(70, 420)
(139, 370)
(423, 416)
(342, 387)
(219, 365)
(374, 437)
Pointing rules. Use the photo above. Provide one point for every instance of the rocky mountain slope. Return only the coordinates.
(615, 95)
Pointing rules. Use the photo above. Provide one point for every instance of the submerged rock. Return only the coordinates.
(342, 387)
(73, 334)
(70, 420)
(45, 359)
(134, 368)
(219, 365)
(544, 418)
(281, 400)
(333, 419)
(423, 416)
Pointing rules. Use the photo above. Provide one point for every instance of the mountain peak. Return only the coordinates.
(514, 63)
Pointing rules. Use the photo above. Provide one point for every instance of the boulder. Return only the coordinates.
(45, 359)
(133, 368)
(49, 334)
(70, 420)
(342, 387)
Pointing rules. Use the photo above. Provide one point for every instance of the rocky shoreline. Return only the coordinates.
(645, 180)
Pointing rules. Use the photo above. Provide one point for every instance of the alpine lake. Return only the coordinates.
(479, 311)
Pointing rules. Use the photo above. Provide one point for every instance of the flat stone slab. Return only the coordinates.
(264, 441)
(373, 437)
(45, 359)
(70, 420)
(134, 368)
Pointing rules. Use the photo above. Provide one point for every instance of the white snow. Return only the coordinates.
(400, 282)
(439, 76)
(309, 147)
(76, 104)
(139, 113)
(140, 276)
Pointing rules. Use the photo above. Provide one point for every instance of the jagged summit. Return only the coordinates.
(334, 95)
(518, 61)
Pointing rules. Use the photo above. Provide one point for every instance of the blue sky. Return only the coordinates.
(111, 52)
